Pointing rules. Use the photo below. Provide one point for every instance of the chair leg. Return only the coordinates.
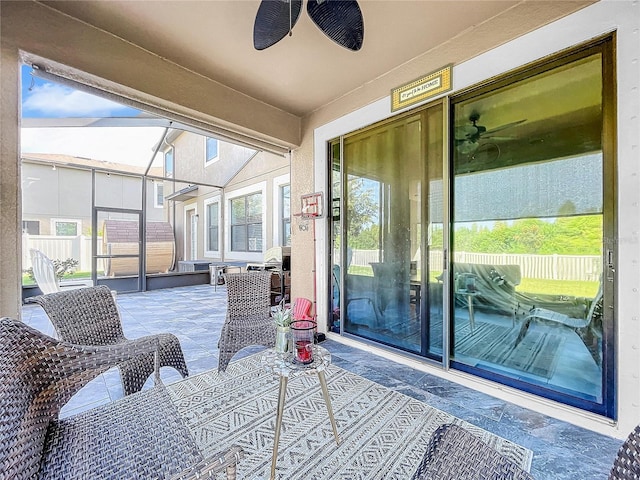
(523, 330)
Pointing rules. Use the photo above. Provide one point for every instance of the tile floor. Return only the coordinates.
(195, 315)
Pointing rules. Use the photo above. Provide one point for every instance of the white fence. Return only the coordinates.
(60, 248)
(546, 267)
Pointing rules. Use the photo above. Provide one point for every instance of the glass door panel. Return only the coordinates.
(386, 190)
(528, 231)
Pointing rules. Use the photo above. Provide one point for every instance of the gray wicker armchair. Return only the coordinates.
(89, 316)
(456, 454)
(248, 319)
(626, 465)
(140, 436)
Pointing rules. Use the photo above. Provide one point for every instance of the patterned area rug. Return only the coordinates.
(536, 354)
(383, 433)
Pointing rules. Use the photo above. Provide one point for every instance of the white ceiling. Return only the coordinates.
(303, 72)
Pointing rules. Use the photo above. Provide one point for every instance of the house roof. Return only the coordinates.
(69, 160)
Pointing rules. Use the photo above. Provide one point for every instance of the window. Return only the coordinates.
(285, 214)
(246, 223)
(212, 151)
(158, 189)
(66, 228)
(168, 163)
(31, 227)
(213, 226)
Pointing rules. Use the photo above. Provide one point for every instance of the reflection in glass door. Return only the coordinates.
(387, 233)
(529, 220)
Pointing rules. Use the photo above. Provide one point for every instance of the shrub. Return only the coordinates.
(61, 267)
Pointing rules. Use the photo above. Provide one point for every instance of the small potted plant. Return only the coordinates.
(282, 317)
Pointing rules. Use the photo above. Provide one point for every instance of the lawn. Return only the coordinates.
(26, 279)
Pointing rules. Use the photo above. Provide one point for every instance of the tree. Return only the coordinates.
(362, 207)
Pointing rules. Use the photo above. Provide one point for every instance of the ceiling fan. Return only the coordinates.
(340, 20)
(467, 137)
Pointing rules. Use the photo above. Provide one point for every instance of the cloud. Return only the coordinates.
(133, 146)
(59, 101)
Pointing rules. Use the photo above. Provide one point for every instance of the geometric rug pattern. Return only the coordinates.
(383, 433)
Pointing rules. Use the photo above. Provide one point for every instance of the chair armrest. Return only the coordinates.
(221, 462)
(90, 361)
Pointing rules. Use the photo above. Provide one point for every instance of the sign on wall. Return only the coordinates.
(422, 88)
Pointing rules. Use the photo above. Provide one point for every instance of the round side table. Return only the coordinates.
(283, 365)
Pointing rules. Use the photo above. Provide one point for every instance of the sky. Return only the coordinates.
(45, 99)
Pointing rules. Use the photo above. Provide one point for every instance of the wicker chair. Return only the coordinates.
(140, 436)
(248, 319)
(626, 465)
(89, 316)
(454, 453)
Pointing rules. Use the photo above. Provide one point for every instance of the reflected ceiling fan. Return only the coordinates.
(340, 20)
(467, 137)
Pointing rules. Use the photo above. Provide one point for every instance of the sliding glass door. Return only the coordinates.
(531, 271)
(387, 237)
(528, 284)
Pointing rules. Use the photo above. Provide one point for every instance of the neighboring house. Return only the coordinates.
(56, 193)
(227, 202)
(224, 201)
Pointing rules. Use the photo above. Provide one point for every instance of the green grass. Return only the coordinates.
(26, 279)
(572, 288)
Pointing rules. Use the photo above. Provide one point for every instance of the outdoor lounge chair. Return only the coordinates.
(89, 316)
(248, 319)
(44, 273)
(543, 314)
(454, 453)
(141, 436)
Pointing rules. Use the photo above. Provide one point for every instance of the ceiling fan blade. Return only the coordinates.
(464, 132)
(340, 20)
(497, 139)
(466, 147)
(274, 21)
(502, 127)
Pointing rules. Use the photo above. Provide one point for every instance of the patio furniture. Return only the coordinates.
(248, 320)
(543, 314)
(495, 284)
(140, 436)
(395, 288)
(89, 316)
(626, 465)
(44, 273)
(302, 309)
(454, 453)
(365, 296)
(285, 367)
